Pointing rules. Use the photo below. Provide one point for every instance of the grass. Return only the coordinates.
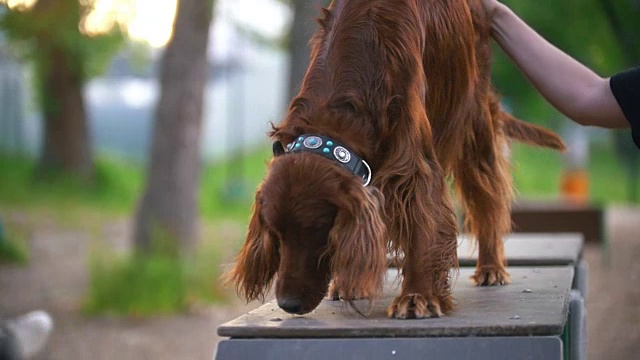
(151, 284)
(114, 191)
(13, 249)
(118, 185)
(228, 187)
(138, 285)
(538, 172)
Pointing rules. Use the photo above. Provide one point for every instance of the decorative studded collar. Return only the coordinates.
(329, 149)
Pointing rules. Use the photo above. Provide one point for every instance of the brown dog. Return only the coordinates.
(399, 91)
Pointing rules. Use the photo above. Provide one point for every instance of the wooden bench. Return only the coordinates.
(538, 316)
(530, 216)
(552, 249)
(533, 250)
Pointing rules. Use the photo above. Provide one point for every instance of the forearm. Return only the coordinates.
(572, 88)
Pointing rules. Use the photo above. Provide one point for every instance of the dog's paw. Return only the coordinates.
(335, 294)
(414, 306)
(491, 276)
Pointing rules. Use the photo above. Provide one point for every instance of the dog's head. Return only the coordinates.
(312, 221)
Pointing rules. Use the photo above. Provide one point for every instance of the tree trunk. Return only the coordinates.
(167, 214)
(66, 140)
(304, 14)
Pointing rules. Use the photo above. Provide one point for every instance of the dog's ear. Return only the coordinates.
(358, 242)
(259, 258)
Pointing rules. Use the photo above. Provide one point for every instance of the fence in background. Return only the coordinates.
(12, 105)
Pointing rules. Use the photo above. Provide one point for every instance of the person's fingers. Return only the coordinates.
(490, 6)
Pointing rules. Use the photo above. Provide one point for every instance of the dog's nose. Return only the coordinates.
(292, 306)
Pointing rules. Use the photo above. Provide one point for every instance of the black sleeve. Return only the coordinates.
(626, 89)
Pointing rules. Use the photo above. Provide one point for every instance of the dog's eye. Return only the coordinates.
(320, 226)
(278, 238)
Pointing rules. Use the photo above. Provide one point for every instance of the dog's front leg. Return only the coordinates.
(423, 226)
(335, 294)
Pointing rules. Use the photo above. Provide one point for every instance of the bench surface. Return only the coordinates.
(535, 304)
(530, 249)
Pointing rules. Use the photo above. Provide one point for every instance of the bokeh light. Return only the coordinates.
(149, 21)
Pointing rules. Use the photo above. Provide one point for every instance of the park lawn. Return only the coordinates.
(227, 187)
(537, 174)
(118, 185)
(13, 245)
(132, 284)
(135, 285)
(142, 285)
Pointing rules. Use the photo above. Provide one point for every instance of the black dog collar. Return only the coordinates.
(329, 149)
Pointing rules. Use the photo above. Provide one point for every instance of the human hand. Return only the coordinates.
(491, 6)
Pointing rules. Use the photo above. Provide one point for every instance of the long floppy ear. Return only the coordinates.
(358, 242)
(259, 258)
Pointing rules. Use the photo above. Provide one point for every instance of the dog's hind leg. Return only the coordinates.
(484, 182)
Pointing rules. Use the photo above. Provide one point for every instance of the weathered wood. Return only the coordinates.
(530, 249)
(536, 303)
(558, 216)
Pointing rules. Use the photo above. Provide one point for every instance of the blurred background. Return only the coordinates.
(132, 138)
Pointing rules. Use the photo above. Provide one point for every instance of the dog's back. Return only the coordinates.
(370, 55)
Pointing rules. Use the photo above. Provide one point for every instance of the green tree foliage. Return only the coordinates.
(62, 23)
(54, 38)
(623, 16)
(585, 29)
(602, 34)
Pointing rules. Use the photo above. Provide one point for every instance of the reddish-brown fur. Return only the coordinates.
(406, 85)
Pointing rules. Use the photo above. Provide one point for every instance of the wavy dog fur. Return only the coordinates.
(406, 85)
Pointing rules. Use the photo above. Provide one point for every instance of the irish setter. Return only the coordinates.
(405, 86)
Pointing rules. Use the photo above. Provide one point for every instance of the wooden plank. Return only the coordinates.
(536, 303)
(559, 216)
(530, 249)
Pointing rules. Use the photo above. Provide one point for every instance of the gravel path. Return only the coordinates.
(56, 278)
(613, 296)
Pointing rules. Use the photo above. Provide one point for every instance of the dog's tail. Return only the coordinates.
(530, 134)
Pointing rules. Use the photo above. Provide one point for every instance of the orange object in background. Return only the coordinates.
(575, 185)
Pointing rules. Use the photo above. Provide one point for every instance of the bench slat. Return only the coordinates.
(530, 249)
(482, 311)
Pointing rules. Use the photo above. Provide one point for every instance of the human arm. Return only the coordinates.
(569, 86)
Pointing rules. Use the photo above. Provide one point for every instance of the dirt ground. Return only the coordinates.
(56, 279)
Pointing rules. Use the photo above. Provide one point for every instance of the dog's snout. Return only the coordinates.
(292, 306)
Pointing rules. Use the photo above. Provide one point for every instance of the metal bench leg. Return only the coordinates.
(580, 279)
(578, 327)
